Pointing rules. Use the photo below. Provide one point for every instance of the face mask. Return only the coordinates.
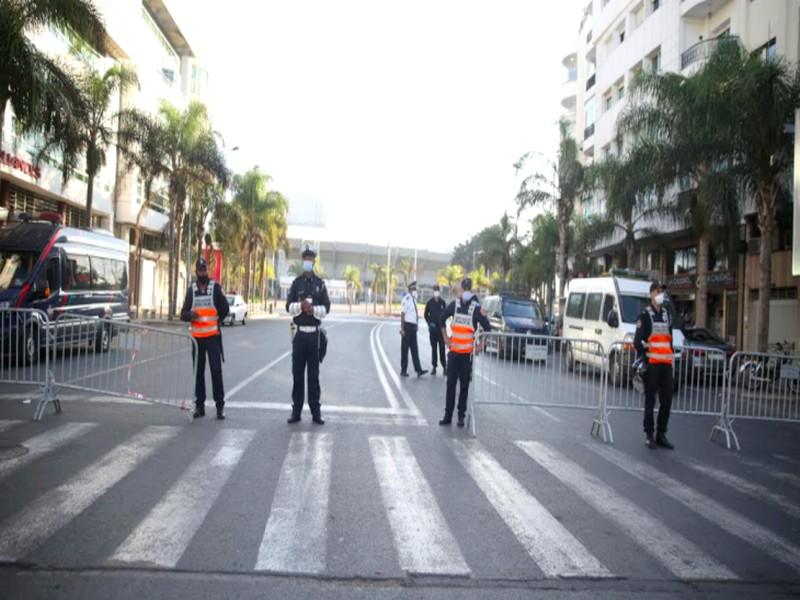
(308, 266)
(659, 298)
(466, 296)
(414, 294)
(435, 294)
(202, 279)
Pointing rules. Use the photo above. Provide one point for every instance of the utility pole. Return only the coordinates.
(415, 264)
(388, 275)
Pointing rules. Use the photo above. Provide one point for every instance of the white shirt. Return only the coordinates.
(409, 309)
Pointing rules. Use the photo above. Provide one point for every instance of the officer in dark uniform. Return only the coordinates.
(308, 303)
(205, 307)
(653, 343)
(467, 316)
(434, 309)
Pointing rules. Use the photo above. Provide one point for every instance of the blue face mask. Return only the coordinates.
(466, 296)
(308, 265)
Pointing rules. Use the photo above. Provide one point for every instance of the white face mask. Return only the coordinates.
(659, 298)
(435, 294)
(414, 294)
(308, 265)
(466, 296)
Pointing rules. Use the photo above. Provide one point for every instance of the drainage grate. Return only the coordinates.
(9, 452)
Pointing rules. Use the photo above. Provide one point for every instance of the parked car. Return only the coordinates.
(605, 310)
(238, 310)
(705, 354)
(73, 276)
(516, 314)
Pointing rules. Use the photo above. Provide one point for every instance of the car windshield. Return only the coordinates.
(231, 299)
(15, 268)
(521, 309)
(632, 307)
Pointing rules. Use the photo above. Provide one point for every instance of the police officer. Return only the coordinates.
(467, 316)
(434, 309)
(308, 303)
(409, 323)
(653, 343)
(205, 307)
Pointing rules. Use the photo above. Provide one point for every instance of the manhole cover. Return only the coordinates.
(9, 452)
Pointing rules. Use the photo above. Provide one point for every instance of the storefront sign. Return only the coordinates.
(715, 280)
(682, 281)
(20, 165)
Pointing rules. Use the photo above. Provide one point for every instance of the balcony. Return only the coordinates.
(588, 132)
(590, 82)
(569, 94)
(699, 9)
(695, 56)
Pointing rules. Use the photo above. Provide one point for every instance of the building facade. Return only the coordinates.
(617, 39)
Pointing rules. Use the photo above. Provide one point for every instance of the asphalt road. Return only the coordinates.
(125, 499)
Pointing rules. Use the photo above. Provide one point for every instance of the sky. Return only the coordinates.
(399, 122)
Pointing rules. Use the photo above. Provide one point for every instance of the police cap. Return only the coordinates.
(309, 251)
(466, 283)
(656, 285)
(436, 287)
(412, 286)
(201, 265)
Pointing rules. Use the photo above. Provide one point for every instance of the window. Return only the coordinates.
(685, 260)
(654, 60)
(593, 305)
(608, 306)
(78, 273)
(632, 307)
(768, 51)
(108, 274)
(621, 36)
(15, 268)
(620, 91)
(51, 272)
(575, 305)
(608, 101)
(654, 5)
(589, 109)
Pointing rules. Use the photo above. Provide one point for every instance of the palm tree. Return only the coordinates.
(690, 124)
(766, 95)
(450, 276)
(41, 92)
(275, 236)
(227, 233)
(379, 277)
(250, 197)
(480, 278)
(560, 188)
(352, 277)
(406, 269)
(192, 153)
(90, 132)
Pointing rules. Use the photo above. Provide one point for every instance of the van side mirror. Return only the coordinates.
(40, 288)
(612, 319)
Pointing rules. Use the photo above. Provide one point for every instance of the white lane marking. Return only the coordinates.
(403, 393)
(47, 514)
(522, 400)
(759, 492)
(671, 549)
(296, 533)
(162, 537)
(256, 375)
(45, 442)
(5, 425)
(424, 542)
(381, 376)
(354, 410)
(556, 551)
(734, 523)
(765, 468)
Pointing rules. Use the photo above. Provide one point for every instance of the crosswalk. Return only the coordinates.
(291, 525)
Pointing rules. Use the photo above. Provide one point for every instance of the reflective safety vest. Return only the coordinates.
(463, 338)
(659, 344)
(206, 323)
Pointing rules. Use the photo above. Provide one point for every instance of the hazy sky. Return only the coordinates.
(402, 119)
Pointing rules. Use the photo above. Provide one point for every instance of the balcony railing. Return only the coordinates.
(702, 50)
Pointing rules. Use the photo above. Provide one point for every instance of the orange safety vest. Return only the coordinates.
(659, 344)
(206, 323)
(463, 330)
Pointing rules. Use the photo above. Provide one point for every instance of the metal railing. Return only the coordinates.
(538, 371)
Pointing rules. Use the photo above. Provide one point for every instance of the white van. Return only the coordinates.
(605, 309)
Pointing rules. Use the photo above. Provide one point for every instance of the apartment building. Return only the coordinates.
(618, 38)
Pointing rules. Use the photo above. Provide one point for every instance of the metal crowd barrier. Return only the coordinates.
(100, 356)
(539, 371)
(760, 386)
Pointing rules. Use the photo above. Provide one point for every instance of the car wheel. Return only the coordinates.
(244, 319)
(615, 375)
(102, 342)
(29, 345)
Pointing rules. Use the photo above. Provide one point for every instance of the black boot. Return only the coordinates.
(293, 419)
(661, 440)
(650, 442)
(446, 421)
(318, 420)
(433, 371)
(220, 413)
(460, 421)
(199, 412)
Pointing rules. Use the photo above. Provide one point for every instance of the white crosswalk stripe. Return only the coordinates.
(556, 551)
(6, 425)
(734, 523)
(296, 534)
(43, 443)
(424, 543)
(674, 551)
(51, 511)
(161, 538)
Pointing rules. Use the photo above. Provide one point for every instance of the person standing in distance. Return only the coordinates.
(308, 303)
(409, 321)
(653, 343)
(205, 307)
(467, 316)
(434, 309)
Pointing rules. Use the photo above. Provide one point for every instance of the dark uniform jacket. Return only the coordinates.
(644, 327)
(308, 287)
(478, 318)
(434, 309)
(220, 302)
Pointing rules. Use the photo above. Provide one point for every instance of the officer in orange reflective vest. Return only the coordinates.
(467, 316)
(205, 307)
(653, 343)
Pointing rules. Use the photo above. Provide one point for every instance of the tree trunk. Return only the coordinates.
(247, 253)
(3, 102)
(89, 198)
(630, 245)
(766, 222)
(562, 262)
(171, 260)
(701, 299)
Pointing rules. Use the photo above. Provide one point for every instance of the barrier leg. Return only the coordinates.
(49, 394)
(471, 419)
(724, 426)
